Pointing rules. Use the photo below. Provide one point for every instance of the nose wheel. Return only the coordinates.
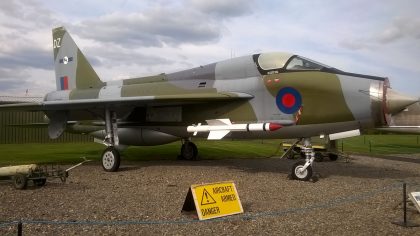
(299, 172)
(302, 170)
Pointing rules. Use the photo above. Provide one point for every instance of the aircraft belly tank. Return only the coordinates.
(139, 136)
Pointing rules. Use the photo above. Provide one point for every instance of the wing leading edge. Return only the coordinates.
(176, 99)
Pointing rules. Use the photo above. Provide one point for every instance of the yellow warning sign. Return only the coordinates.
(216, 200)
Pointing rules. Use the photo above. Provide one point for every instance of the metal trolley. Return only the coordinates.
(38, 174)
(321, 151)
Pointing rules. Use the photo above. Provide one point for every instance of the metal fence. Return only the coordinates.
(29, 127)
(15, 128)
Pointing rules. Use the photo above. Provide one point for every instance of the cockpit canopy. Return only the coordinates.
(275, 62)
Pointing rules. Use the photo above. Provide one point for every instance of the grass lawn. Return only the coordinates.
(381, 144)
(71, 152)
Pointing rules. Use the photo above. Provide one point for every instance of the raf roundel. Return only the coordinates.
(288, 100)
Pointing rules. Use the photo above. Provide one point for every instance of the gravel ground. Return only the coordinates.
(361, 197)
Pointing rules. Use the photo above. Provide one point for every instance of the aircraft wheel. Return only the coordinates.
(20, 181)
(318, 157)
(189, 151)
(333, 157)
(111, 159)
(302, 155)
(290, 155)
(299, 174)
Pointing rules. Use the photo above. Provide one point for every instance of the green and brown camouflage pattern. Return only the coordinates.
(245, 89)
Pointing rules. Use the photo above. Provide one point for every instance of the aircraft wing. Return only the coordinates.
(174, 99)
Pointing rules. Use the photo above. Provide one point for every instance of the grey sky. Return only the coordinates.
(133, 38)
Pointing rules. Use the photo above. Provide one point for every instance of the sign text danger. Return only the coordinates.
(216, 200)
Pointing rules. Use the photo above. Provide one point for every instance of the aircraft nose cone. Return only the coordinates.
(396, 101)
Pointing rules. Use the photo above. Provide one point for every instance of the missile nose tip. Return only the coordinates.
(274, 126)
(396, 101)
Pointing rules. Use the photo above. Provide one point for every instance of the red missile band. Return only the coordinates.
(274, 126)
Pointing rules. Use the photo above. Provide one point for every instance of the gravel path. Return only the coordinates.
(145, 198)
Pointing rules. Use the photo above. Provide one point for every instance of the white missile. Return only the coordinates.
(219, 128)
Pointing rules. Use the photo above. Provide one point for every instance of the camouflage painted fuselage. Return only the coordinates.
(308, 99)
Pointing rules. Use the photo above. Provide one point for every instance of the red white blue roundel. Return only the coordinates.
(288, 100)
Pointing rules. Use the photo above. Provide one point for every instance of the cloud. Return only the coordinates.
(356, 44)
(27, 57)
(223, 8)
(112, 39)
(25, 42)
(25, 15)
(131, 38)
(401, 28)
(11, 79)
(37, 81)
(191, 22)
(113, 55)
(25, 46)
(153, 28)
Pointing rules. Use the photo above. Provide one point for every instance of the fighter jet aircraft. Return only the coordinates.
(266, 95)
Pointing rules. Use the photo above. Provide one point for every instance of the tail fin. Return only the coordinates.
(72, 70)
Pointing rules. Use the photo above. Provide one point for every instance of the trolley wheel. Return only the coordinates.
(111, 159)
(189, 151)
(299, 174)
(40, 182)
(333, 157)
(302, 155)
(318, 157)
(290, 155)
(20, 181)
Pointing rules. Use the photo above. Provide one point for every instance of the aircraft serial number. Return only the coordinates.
(57, 43)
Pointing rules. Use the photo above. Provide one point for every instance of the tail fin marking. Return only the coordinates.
(72, 69)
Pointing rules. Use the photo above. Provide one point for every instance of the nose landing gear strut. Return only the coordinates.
(302, 170)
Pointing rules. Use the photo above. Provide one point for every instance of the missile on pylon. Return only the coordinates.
(219, 128)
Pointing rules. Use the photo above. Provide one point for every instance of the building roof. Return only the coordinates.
(16, 99)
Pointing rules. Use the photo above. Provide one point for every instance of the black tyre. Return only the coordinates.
(40, 182)
(318, 157)
(111, 159)
(298, 174)
(302, 155)
(333, 157)
(20, 181)
(189, 151)
(290, 155)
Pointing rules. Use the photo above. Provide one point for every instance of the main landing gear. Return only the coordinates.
(189, 151)
(111, 157)
(302, 170)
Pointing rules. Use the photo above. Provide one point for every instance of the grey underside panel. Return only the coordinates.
(299, 131)
(356, 95)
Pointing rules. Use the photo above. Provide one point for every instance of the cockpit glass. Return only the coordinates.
(301, 63)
